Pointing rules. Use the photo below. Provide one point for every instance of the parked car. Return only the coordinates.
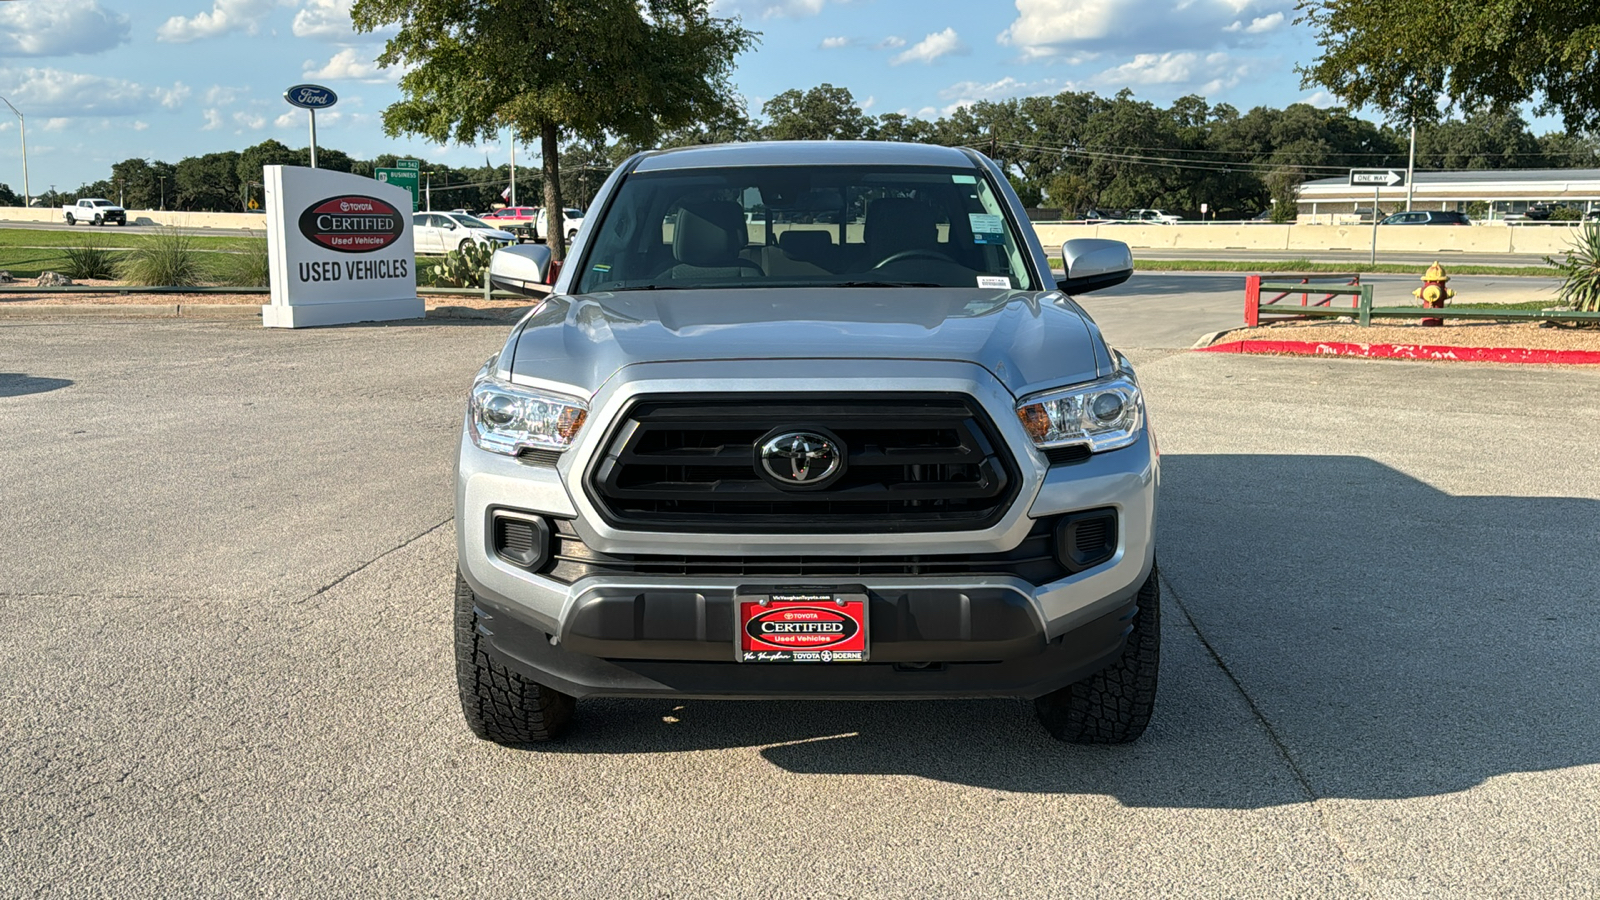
(1153, 215)
(95, 211)
(437, 232)
(570, 222)
(882, 462)
(1427, 217)
(518, 220)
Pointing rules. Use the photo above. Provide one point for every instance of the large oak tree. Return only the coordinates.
(548, 68)
(1401, 56)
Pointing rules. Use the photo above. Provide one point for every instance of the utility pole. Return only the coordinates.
(513, 167)
(22, 126)
(162, 179)
(1411, 164)
(427, 193)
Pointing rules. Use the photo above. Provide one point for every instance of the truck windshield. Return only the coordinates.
(790, 226)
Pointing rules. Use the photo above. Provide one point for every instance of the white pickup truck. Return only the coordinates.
(95, 211)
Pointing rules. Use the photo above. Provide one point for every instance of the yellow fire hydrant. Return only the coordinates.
(1433, 292)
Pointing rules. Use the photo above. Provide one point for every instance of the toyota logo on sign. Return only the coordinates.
(352, 224)
(801, 459)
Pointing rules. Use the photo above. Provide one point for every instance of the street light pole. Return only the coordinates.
(22, 126)
(1411, 165)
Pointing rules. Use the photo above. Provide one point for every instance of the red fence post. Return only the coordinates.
(1252, 300)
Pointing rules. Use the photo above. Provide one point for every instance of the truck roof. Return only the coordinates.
(805, 153)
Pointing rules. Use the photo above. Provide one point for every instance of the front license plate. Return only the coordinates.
(803, 628)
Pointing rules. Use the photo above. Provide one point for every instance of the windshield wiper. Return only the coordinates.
(917, 284)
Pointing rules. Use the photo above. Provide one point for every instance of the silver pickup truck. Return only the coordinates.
(807, 420)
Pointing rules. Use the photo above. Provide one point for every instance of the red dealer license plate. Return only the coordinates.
(803, 628)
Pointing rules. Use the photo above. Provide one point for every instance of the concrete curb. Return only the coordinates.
(1208, 339)
(1522, 355)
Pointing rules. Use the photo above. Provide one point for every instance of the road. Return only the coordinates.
(139, 229)
(1420, 260)
(225, 615)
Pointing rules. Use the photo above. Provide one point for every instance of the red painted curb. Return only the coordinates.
(1411, 351)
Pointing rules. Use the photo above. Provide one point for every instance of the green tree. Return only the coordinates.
(548, 68)
(823, 113)
(1399, 55)
(8, 197)
(209, 182)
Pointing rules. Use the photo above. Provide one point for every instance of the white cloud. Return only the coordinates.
(173, 97)
(252, 121)
(350, 64)
(892, 42)
(59, 28)
(930, 48)
(1322, 100)
(1047, 28)
(1259, 25)
(834, 43)
(966, 93)
(56, 92)
(56, 124)
(225, 16)
(218, 95)
(869, 103)
(327, 20)
(141, 126)
(1210, 72)
(213, 120)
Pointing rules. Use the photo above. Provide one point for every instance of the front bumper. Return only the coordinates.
(955, 636)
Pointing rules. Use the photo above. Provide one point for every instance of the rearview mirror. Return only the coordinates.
(521, 269)
(1094, 263)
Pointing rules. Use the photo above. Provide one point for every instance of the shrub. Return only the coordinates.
(167, 258)
(1580, 271)
(245, 268)
(466, 267)
(92, 260)
(1565, 214)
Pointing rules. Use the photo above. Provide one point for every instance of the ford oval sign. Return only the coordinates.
(352, 224)
(310, 96)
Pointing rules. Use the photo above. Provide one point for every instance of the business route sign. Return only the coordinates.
(1378, 178)
(401, 177)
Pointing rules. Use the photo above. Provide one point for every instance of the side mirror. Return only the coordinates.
(521, 269)
(1094, 263)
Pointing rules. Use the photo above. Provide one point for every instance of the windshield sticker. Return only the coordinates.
(986, 228)
(964, 179)
(993, 281)
(599, 268)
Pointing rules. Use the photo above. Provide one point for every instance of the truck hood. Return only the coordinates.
(1027, 340)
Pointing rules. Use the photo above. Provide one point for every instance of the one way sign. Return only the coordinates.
(1378, 177)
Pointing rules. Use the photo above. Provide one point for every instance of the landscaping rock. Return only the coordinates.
(53, 279)
(5, 278)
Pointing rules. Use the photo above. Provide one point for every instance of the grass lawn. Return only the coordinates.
(25, 252)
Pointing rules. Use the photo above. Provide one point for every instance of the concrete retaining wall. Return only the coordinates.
(1531, 239)
(251, 221)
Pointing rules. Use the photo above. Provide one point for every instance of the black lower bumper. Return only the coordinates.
(924, 644)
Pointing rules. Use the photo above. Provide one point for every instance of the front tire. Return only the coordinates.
(98, 221)
(71, 221)
(500, 705)
(464, 245)
(1113, 706)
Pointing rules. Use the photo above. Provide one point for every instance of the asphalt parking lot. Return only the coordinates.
(225, 626)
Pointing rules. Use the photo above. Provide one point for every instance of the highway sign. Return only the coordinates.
(400, 178)
(1377, 177)
(412, 164)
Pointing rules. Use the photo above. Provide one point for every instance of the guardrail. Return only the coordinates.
(1365, 312)
(1352, 287)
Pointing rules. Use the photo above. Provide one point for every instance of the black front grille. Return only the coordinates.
(1033, 561)
(913, 462)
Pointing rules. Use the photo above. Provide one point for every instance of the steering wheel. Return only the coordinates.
(914, 253)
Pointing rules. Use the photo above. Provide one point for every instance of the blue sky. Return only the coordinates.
(105, 80)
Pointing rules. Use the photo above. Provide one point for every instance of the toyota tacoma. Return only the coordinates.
(807, 420)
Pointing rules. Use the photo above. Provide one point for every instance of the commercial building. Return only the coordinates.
(1503, 193)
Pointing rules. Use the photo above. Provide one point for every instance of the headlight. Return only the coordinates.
(1104, 415)
(505, 418)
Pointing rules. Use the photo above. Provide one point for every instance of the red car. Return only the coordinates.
(513, 214)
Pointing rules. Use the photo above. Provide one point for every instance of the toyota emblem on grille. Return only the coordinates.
(801, 459)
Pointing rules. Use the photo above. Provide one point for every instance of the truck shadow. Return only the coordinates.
(17, 384)
(1396, 640)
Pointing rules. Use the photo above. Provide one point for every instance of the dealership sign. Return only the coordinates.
(310, 96)
(339, 247)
